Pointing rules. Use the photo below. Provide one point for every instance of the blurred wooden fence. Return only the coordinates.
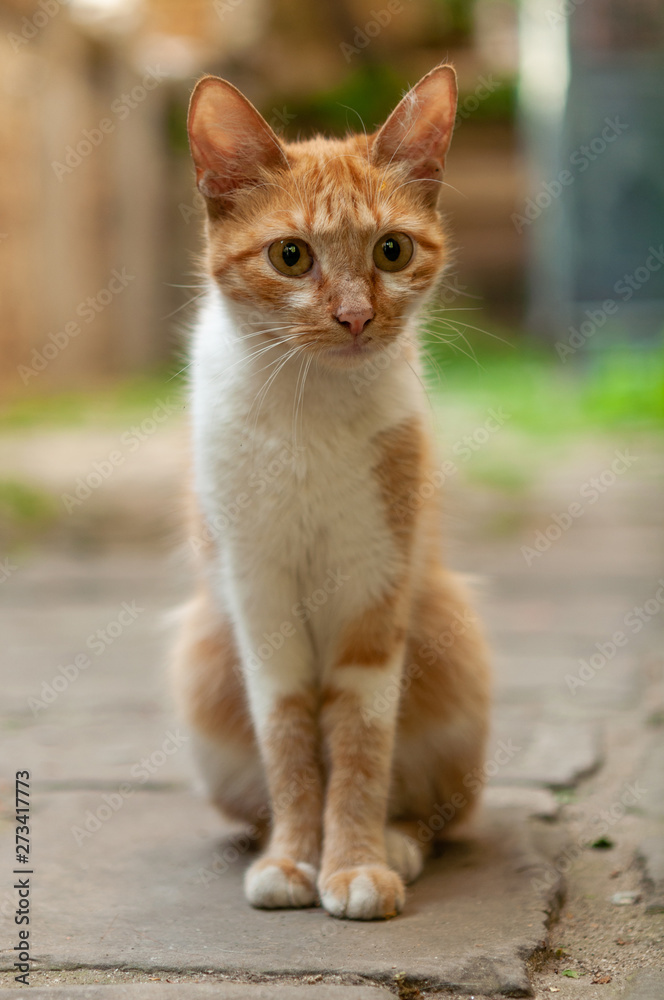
(98, 216)
(86, 204)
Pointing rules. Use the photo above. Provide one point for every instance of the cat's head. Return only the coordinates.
(332, 243)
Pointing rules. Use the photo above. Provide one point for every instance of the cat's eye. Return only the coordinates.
(393, 252)
(292, 257)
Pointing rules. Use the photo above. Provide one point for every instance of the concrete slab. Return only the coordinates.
(206, 991)
(154, 887)
(647, 984)
(538, 803)
(87, 722)
(543, 752)
(651, 855)
(98, 748)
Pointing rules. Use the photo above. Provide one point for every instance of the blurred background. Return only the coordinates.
(552, 309)
(544, 359)
(555, 197)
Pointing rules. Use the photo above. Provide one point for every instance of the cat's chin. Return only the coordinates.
(350, 355)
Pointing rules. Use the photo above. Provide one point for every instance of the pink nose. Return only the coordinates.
(355, 319)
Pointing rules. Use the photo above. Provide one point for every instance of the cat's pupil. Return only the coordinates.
(391, 249)
(290, 254)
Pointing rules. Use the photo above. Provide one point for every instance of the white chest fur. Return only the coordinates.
(284, 476)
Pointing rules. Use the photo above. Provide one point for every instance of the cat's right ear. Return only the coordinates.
(230, 141)
(419, 131)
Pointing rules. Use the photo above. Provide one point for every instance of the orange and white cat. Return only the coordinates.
(330, 667)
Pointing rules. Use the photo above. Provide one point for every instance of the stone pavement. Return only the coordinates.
(135, 879)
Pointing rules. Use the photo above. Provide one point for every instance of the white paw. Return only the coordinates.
(403, 854)
(368, 892)
(277, 883)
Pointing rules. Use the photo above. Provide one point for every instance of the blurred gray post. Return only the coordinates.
(592, 79)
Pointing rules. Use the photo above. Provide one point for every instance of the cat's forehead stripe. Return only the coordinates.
(339, 191)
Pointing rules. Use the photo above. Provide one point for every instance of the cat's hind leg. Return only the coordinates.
(210, 695)
(405, 853)
(443, 713)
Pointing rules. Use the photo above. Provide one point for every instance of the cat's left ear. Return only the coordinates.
(230, 142)
(419, 130)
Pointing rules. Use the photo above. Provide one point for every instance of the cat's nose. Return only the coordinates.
(355, 319)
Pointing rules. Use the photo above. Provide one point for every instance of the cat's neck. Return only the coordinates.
(232, 357)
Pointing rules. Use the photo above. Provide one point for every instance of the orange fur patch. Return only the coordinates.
(444, 707)
(341, 197)
(399, 474)
(359, 756)
(373, 637)
(208, 676)
(290, 750)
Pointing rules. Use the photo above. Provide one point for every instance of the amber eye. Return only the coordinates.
(393, 252)
(291, 257)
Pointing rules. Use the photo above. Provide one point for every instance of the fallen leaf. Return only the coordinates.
(602, 979)
(602, 844)
(553, 989)
(571, 973)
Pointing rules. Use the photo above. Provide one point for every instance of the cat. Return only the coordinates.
(330, 668)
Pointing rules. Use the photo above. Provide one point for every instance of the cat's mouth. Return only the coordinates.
(353, 349)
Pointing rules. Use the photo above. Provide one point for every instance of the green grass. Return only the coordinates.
(620, 387)
(25, 504)
(104, 406)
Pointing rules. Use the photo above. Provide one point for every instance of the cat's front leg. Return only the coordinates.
(358, 719)
(278, 672)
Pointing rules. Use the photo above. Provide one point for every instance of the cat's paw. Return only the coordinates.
(368, 892)
(277, 883)
(404, 854)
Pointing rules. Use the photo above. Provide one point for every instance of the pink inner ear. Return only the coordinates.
(229, 139)
(419, 130)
